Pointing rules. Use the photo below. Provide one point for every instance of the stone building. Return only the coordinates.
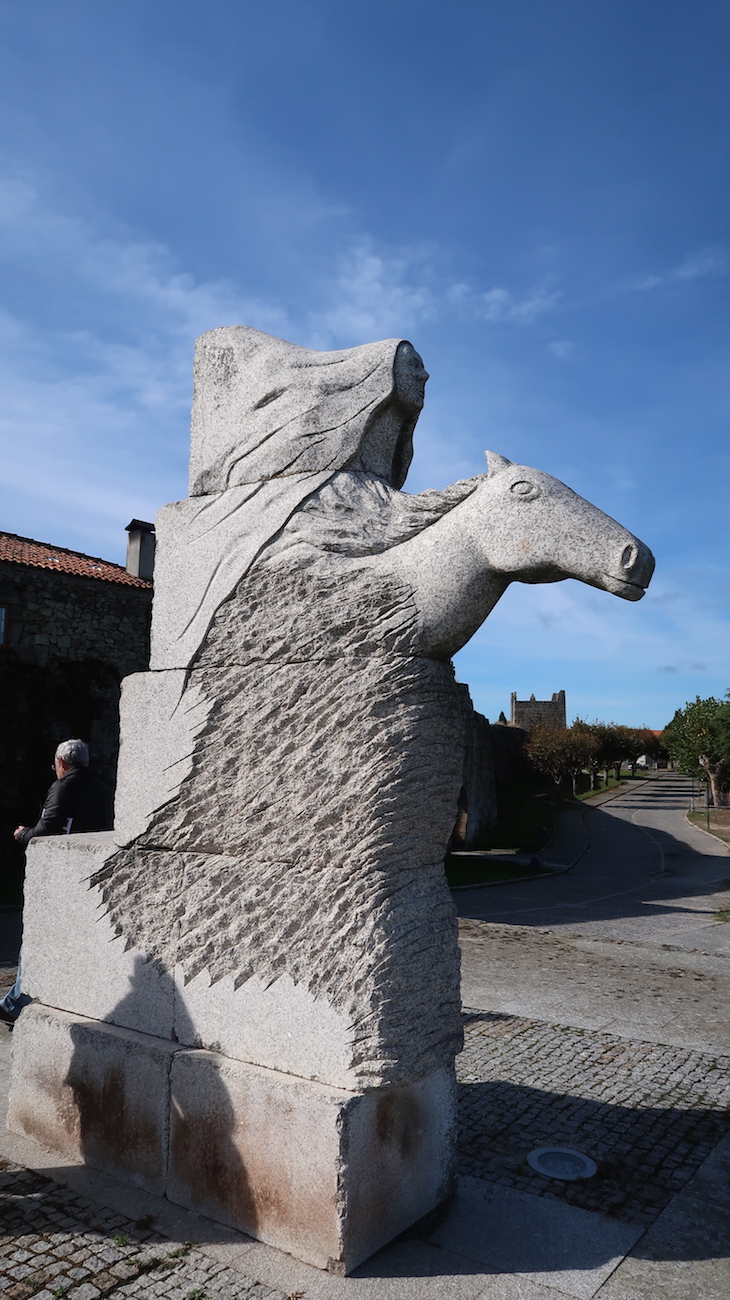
(71, 627)
(535, 713)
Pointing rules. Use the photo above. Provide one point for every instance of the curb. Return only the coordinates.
(702, 831)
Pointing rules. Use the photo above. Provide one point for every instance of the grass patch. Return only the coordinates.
(587, 793)
(724, 915)
(526, 817)
(526, 823)
(719, 822)
(584, 789)
(482, 871)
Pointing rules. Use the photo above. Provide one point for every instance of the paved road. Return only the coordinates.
(646, 875)
(627, 941)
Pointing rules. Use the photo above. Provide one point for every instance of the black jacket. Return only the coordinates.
(76, 803)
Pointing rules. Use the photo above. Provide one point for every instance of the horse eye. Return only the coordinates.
(524, 489)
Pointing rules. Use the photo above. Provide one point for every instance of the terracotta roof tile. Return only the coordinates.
(40, 555)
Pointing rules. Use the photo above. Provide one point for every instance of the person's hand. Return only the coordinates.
(17, 833)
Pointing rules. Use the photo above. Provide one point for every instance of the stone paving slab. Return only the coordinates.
(686, 1254)
(647, 1070)
(660, 994)
(54, 1242)
(553, 1244)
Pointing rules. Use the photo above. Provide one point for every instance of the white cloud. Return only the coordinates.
(633, 663)
(500, 305)
(94, 420)
(563, 349)
(578, 623)
(96, 350)
(373, 295)
(705, 263)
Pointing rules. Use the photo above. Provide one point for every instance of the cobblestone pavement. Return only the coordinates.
(646, 1113)
(55, 1243)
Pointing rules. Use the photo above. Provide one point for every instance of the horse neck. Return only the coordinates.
(454, 586)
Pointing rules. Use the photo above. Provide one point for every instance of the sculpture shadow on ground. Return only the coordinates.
(645, 1154)
(126, 1096)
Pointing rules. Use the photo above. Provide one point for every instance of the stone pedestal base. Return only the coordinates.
(326, 1174)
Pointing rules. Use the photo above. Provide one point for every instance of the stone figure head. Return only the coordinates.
(264, 408)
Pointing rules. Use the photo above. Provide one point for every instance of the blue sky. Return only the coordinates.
(535, 194)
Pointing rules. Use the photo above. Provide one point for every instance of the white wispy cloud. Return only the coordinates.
(703, 264)
(681, 610)
(94, 419)
(373, 294)
(96, 373)
(500, 305)
(622, 661)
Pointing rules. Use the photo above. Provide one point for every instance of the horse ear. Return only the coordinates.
(495, 462)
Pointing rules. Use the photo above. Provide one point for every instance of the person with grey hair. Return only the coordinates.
(76, 802)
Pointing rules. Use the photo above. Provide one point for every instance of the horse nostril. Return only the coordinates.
(628, 557)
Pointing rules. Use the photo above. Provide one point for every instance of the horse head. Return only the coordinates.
(538, 530)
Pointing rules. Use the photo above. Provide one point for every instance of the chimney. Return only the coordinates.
(140, 548)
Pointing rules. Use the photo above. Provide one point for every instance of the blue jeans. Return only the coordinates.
(14, 1001)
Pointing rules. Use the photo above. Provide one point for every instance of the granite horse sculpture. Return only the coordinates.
(518, 525)
(288, 779)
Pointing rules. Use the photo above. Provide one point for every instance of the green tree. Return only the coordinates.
(615, 745)
(653, 745)
(561, 753)
(597, 760)
(615, 740)
(698, 740)
(638, 741)
(722, 733)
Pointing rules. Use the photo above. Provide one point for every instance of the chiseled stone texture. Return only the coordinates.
(312, 824)
(263, 407)
(303, 717)
(93, 1090)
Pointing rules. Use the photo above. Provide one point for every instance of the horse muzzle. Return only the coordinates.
(632, 574)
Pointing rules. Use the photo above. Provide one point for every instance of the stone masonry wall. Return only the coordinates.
(60, 616)
(70, 641)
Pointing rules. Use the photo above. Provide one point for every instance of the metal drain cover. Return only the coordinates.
(562, 1162)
